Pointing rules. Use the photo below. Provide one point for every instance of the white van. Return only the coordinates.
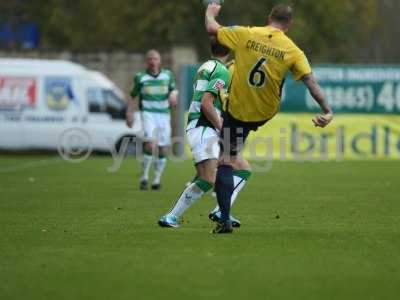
(41, 100)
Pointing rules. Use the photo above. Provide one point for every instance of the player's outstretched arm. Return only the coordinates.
(208, 109)
(316, 92)
(212, 12)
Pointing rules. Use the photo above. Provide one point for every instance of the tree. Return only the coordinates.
(328, 31)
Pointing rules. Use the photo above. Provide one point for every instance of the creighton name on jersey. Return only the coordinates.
(212, 77)
(153, 91)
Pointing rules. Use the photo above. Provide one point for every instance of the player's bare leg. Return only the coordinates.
(203, 182)
(207, 170)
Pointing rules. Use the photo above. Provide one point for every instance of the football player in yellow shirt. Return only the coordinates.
(263, 57)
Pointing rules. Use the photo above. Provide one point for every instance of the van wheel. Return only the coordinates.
(129, 145)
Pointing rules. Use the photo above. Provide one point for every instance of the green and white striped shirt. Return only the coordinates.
(212, 77)
(153, 91)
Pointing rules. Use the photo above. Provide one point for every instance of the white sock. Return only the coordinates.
(189, 196)
(160, 167)
(240, 178)
(147, 159)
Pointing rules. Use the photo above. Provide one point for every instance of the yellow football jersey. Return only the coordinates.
(231, 67)
(263, 56)
(224, 93)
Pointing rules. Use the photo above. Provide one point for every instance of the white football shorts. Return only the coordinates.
(157, 128)
(203, 142)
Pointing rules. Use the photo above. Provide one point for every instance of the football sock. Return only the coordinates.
(240, 178)
(161, 162)
(192, 193)
(147, 159)
(224, 190)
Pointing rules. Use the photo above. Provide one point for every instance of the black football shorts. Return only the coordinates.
(235, 132)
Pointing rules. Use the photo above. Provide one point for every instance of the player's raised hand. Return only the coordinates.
(322, 120)
(213, 10)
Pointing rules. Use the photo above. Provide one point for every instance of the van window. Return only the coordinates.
(106, 102)
(96, 101)
(115, 106)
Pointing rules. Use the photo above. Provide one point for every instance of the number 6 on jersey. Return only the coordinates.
(257, 76)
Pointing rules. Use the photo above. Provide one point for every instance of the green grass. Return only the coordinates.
(78, 232)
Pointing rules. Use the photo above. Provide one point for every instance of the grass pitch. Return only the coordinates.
(310, 231)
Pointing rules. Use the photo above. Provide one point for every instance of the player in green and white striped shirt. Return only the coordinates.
(203, 130)
(154, 91)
